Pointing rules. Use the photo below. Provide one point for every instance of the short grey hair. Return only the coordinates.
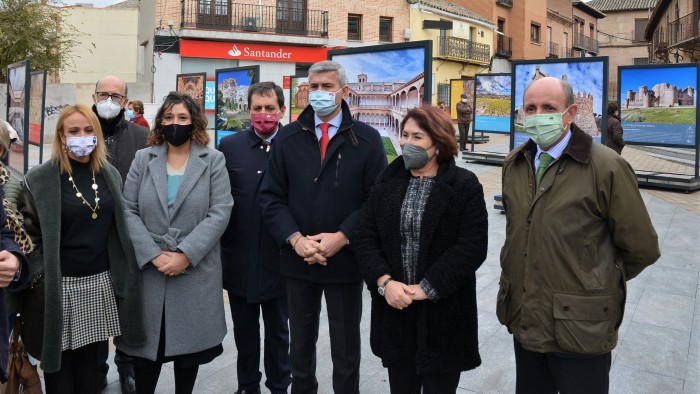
(329, 65)
(566, 87)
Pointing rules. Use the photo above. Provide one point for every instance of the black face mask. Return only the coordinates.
(177, 134)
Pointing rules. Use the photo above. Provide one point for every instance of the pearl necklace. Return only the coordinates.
(80, 195)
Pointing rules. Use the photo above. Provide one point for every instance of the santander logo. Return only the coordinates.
(253, 51)
(234, 51)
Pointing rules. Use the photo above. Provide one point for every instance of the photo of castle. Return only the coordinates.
(658, 104)
(587, 91)
(383, 86)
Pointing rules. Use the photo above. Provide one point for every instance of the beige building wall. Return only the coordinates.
(107, 45)
(616, 35)
(560, 22)
(444, 70)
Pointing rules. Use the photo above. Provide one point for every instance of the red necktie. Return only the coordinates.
(324, 138)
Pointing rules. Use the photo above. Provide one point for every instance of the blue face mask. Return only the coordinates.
(129, 113)
(323, 102)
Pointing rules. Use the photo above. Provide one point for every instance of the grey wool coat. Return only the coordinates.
(191, 304)
(40, 204)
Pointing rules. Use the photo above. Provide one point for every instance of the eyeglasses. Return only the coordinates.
(116, 97)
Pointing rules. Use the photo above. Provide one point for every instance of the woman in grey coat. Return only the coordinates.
(178, 202)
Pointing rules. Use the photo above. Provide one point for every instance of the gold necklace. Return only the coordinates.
(80, 195)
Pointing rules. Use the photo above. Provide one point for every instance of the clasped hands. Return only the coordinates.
(171, 263)
(400, 295)
(317, 249)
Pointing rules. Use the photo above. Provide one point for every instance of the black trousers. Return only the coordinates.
(344, 305)
(79, 373)
(246, 333)
(463, 135)
(543, 373)
(403, 377)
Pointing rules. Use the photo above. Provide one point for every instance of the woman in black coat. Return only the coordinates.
(420, 242)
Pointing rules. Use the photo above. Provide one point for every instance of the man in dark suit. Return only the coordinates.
(249, 254)
(122, 139)
(321, 170)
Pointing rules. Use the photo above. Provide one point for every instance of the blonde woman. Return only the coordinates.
(83, 257)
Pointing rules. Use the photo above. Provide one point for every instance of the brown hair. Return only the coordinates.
(612, 108)
(438, 125)
(138, 106)
(199, 120)
(98, 157)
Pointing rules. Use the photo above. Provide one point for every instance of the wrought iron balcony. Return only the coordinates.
(684, 30)
(225, 16)
(585, 43)
(566, 52)
(552, 50)
(505, 3)
(503, 46)
(460, 48)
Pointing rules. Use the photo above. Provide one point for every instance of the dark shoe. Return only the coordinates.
(127, 383)
(255, 390)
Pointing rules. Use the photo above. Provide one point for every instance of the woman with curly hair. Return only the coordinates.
(178, 202)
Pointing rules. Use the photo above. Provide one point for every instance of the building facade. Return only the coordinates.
(621, 35)
(673, 32)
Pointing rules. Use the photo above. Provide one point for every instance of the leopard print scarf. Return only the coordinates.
(15, 221)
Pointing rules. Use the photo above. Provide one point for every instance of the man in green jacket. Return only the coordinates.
(577, 230)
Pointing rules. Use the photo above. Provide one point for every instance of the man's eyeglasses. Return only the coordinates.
(116, 97)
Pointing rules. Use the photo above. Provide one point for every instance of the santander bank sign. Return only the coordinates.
(250, 51)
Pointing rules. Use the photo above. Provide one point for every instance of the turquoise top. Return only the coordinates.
(174, 182)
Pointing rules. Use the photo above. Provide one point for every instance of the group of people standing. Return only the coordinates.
(135, 233)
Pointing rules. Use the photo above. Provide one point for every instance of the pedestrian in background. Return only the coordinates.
(250, 255)
(74, 214)
(135, 113)
(576, 231)
(320, 172)
(178, 202)
(615, 140)
(420, 242)
(464, 118)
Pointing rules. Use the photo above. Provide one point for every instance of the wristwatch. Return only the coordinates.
(381, 288)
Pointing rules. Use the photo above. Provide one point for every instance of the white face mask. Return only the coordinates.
(464, 100)
(108, 109)
(81, 146)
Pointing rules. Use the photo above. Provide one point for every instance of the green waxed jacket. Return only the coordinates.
(571, 245)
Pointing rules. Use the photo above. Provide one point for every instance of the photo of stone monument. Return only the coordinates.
(658, 104)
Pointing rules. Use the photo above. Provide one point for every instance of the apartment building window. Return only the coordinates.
(385, 28)
(444, 93)
(639, 26)
(354, 27)
(640, 61)
(535, 32)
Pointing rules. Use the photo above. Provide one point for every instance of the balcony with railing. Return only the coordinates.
(684, 30)
(566, 52)
(503, 46)
(505, 3)
(252, 18)
(552, 50)
(463, 49)
(585, 43)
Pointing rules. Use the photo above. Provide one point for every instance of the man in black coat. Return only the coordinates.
(249, 254)
(122, 139)
(14, 275)
(320, 172)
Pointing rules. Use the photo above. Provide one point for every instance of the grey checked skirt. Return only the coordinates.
(89, 310)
